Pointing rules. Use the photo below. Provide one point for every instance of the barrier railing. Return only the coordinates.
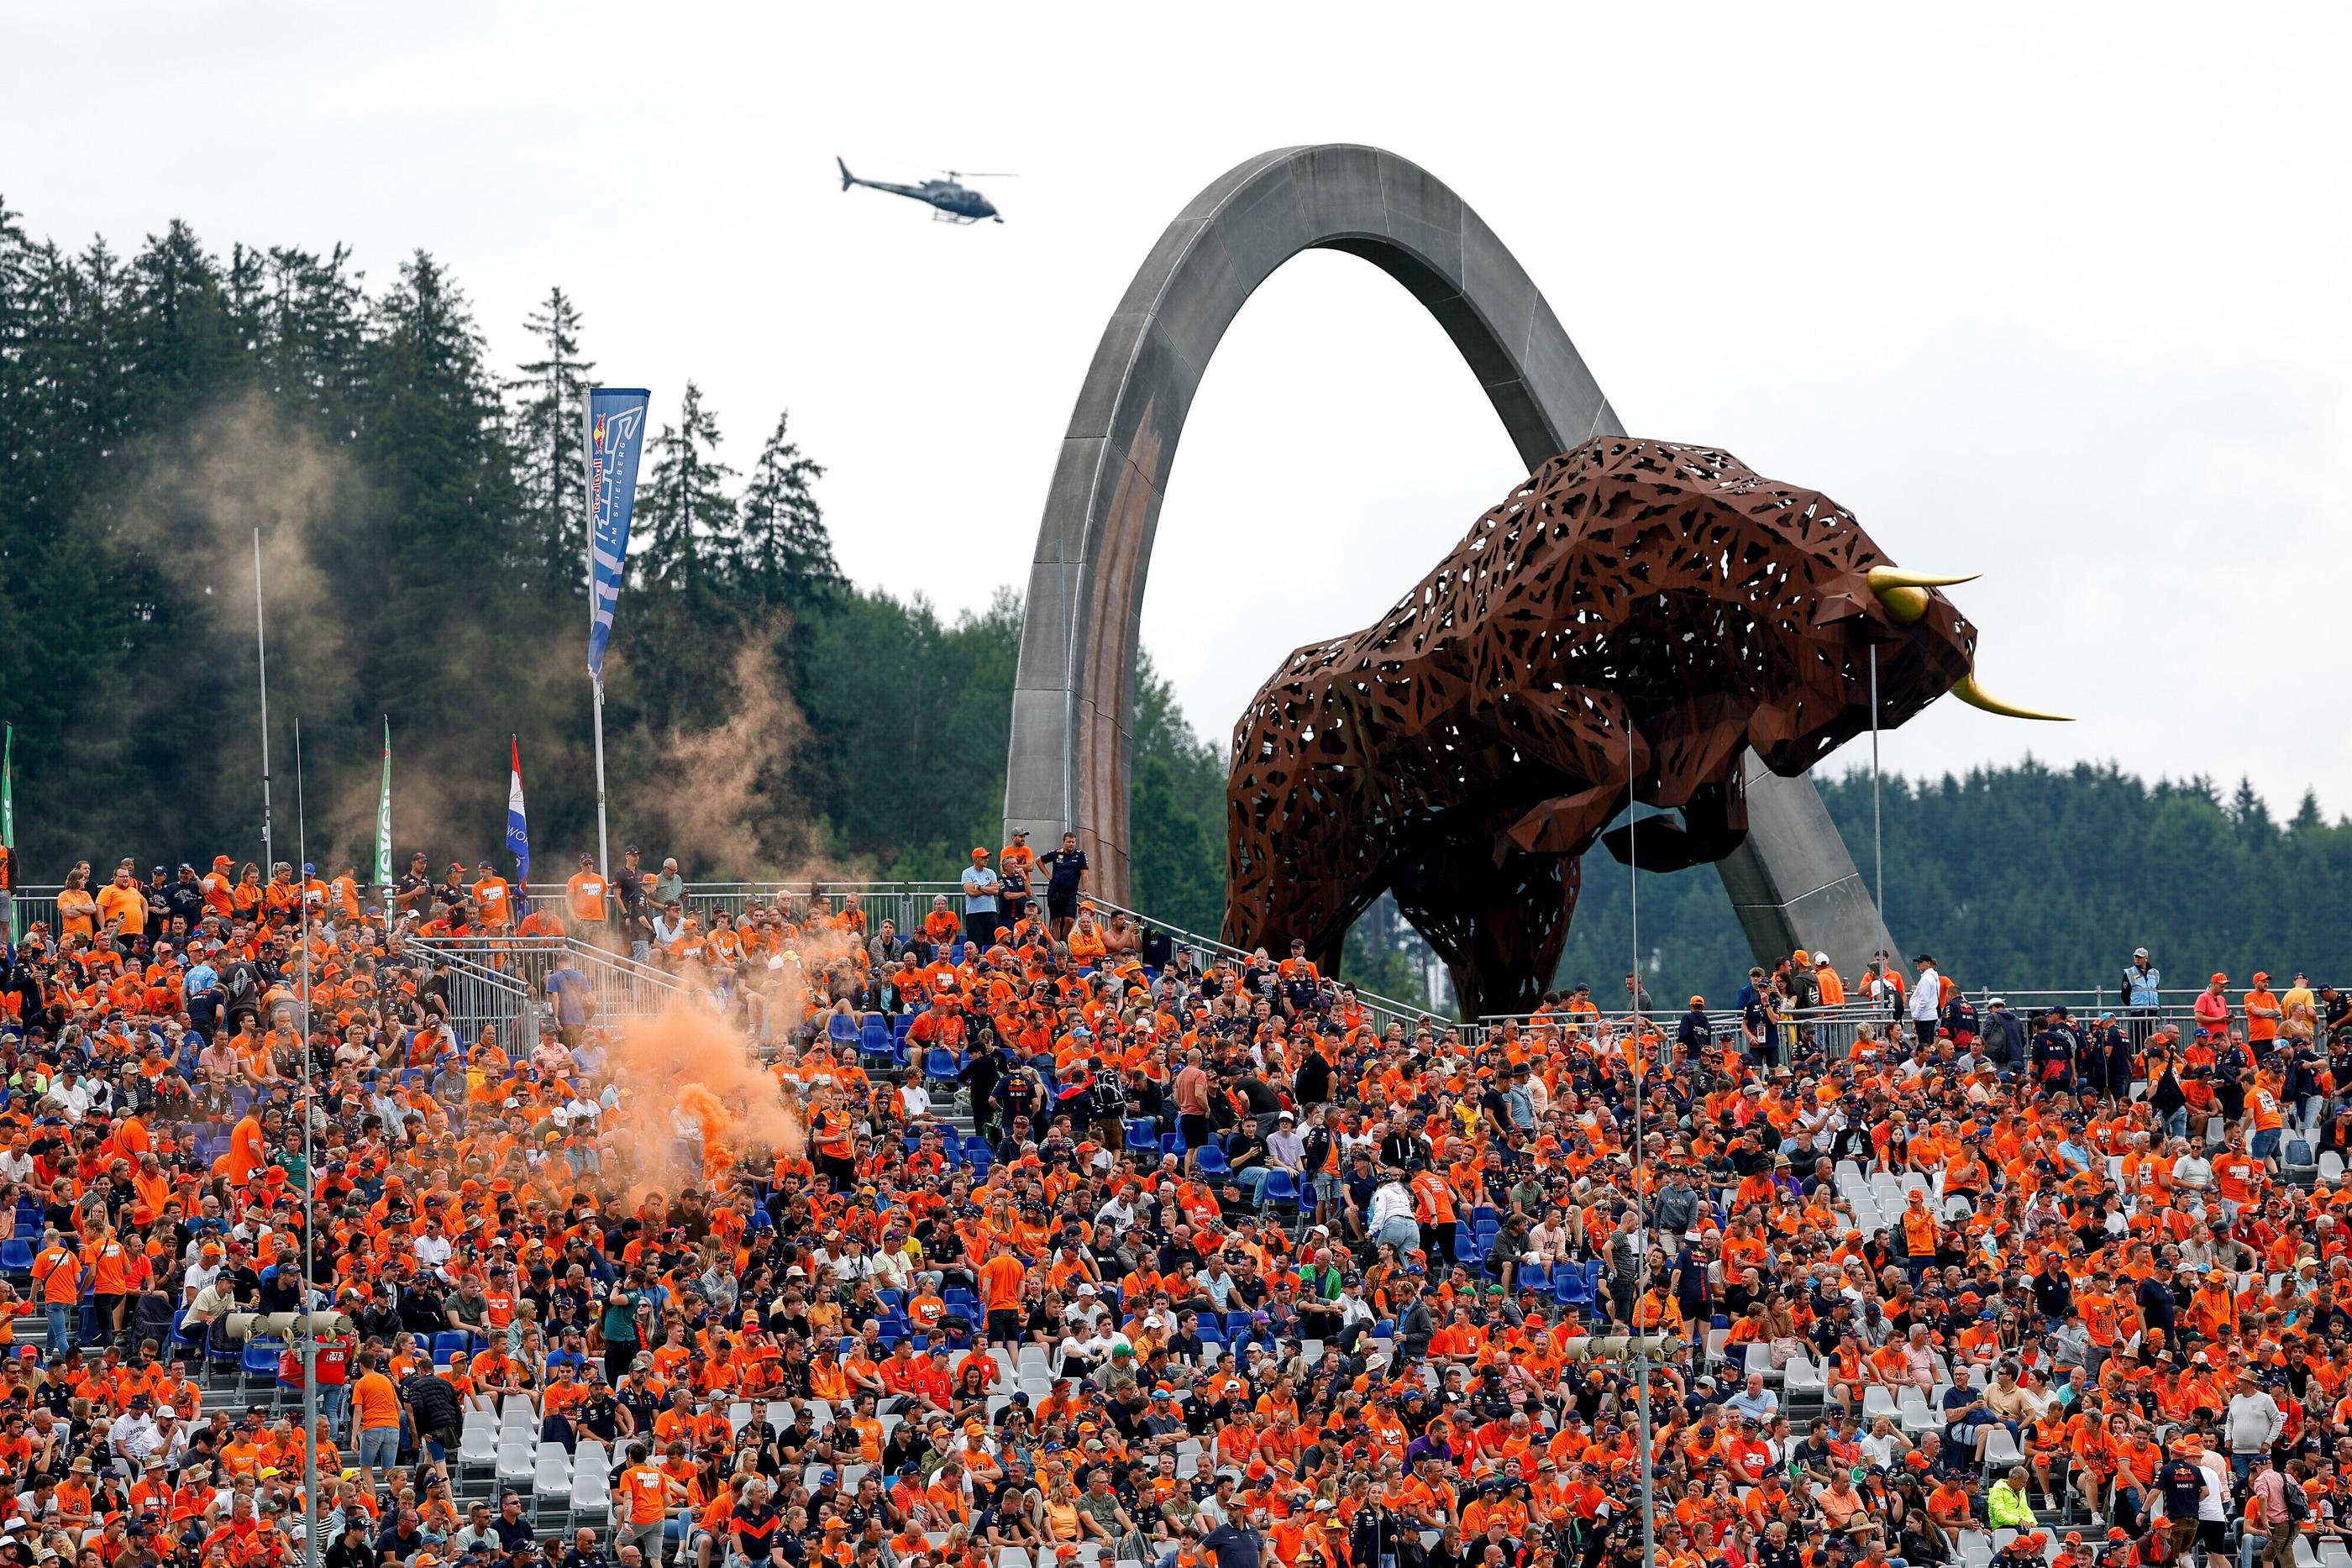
(902, 903)
(621, 988)
(482, 996)
(1835, 1029)
(1384, 1011)
(630, 989)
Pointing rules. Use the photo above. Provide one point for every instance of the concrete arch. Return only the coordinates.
(1068, 763)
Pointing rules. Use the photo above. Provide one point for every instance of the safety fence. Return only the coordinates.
(487, 1002)
(623, 989)
(495, 978)
(903, 904)
(1834, 1029)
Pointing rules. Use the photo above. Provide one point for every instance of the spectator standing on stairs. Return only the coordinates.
(981, 885)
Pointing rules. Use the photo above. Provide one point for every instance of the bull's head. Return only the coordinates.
(1627, 625)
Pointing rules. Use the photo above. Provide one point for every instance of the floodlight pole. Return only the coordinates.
(1877, 841)
(261, 660)
(309, 1188)
(1642, 1258)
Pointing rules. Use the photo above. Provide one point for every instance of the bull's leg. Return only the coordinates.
(1500, 929)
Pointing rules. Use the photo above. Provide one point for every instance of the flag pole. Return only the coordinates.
(309, 1188)
(1877, 834)
(1641, 1261)
(8, 822)
(261, 658)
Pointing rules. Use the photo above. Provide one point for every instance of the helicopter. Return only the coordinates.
(951, 201)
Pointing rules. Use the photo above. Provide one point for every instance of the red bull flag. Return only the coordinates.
(617, 438)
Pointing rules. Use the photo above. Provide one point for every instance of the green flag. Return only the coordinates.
(384, 818)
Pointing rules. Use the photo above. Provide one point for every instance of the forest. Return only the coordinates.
(419, 513)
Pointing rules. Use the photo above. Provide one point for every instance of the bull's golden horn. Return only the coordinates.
(1886, 577)
(1904, 593)
(1975, 695)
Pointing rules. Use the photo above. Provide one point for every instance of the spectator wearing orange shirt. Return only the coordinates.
(585, 900)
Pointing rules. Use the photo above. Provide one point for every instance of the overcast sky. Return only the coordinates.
(2053, 293)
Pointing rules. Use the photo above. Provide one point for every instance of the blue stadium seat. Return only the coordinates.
(1534, 1277)
(1571, 1286)
(1142, 1137)
(1280, 1192)
(842, 1030)
(448, 1340)
(939, 1067)
(1212, 1161)
(1172, 1143)
(260, 1361)
(17, 1256)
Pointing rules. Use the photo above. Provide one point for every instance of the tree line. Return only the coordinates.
(422, 554)
(420, 518)
(2024, 877)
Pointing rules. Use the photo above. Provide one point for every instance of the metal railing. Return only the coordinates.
(622, 987)
(902, 903)
(1835, 1029)
(633, 989)
(483, 997)
(1384, 1011)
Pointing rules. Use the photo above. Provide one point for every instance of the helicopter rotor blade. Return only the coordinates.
(979, 174)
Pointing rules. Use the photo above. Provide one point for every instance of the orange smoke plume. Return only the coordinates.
(694, 1061)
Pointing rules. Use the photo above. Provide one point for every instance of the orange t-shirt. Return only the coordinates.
(375, 1402)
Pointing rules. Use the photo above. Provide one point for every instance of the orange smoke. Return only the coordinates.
(694, 1061)
(815, 951)
(717, 1127)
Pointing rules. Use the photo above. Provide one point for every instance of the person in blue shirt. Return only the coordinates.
(980, 889)
(572, 995)
(590, 1057)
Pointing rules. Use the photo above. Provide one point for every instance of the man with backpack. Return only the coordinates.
(2275, 1509)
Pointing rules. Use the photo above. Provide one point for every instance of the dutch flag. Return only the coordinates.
(517, 833)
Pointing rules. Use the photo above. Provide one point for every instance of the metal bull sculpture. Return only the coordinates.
(1632, 621)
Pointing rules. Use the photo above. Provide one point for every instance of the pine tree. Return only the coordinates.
(2306, 814)
(2247, 812)
(784, 555)
(311, 335)
(549, 463)
(688, 518)
(183, 336)
(439, 555)
(1176, 810)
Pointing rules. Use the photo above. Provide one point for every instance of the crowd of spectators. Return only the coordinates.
(1222, 1270)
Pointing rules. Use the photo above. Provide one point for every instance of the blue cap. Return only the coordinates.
(309, 869)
